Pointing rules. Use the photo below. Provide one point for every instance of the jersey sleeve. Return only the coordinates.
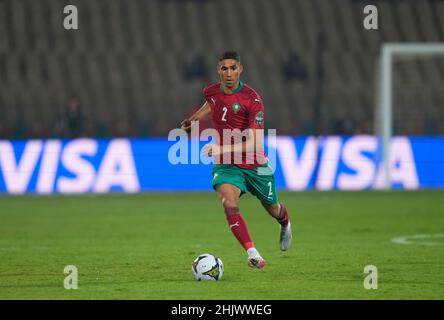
(205, 93)
(209, 92)
(256, 119)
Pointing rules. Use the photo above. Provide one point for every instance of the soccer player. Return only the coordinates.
(235, 107)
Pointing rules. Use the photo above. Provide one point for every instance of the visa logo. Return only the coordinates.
(353, 163)
(75, 166)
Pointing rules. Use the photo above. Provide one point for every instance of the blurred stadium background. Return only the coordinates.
(135, 69)
(138, 67)
(89, 110)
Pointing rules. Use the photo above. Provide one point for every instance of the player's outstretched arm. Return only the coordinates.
(204, 111)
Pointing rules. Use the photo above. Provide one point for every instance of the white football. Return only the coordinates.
(207, 267)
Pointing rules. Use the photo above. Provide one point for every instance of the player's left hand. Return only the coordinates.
(211, 150)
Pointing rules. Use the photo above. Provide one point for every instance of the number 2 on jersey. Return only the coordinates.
(225, 110)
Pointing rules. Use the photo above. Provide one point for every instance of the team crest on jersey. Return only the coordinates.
(236, 107)
(259, 119)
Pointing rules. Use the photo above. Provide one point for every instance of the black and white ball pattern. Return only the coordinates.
(207, 267)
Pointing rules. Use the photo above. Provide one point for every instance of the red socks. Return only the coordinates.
(239, 227)
(283, 216)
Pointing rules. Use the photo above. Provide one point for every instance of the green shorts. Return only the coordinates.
(259, 181)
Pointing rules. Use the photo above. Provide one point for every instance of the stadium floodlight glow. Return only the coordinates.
(389, 52)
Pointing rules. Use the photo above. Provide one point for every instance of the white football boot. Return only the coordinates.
(285, 237)
(255, 260)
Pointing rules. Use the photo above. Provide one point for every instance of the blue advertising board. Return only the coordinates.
(141, 165)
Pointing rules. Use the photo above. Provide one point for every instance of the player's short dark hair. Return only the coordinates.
(230, 55)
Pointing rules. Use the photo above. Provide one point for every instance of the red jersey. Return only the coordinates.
(241, 110)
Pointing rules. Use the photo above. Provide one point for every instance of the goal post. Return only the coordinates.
(389, 52)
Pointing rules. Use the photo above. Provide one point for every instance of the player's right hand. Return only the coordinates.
(185, 124)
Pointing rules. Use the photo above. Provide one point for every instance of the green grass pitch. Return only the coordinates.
(142, 246)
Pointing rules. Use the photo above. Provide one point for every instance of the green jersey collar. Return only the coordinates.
(239, 88)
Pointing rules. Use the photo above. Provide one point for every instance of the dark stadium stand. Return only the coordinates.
(128, 61)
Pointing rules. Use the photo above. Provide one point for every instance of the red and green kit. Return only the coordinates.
(240, 110)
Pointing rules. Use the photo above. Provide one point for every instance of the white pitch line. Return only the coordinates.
(416, 239)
